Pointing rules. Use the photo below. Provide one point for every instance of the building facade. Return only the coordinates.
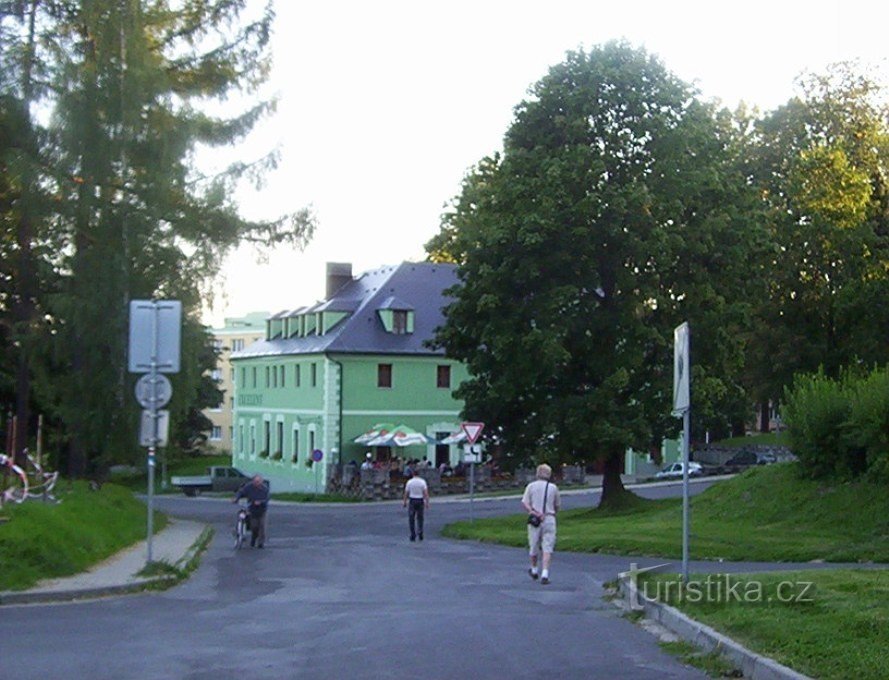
(327, 373)
(236, 334)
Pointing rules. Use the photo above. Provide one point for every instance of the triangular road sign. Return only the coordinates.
(472, 430)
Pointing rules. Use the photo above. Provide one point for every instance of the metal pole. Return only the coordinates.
(686, 436)
(153, 415)
(472, 488)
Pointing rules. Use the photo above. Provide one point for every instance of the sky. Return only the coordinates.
(384, 106)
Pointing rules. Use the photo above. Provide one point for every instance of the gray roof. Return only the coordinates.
(417, 286)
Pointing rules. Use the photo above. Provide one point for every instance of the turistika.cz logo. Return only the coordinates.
(719, 588)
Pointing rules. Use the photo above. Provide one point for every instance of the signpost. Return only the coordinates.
(154, 348)
(682, 407)
(472, 430)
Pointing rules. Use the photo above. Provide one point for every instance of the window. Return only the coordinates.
(268, 377)
(384, 375)
(268, 436)
(314, 374)
(283, 373)
(231, 403)
(217, 344)
(443, 379)
(296, 375)
(231, 433)
(237, 345)
(399, 322)
(231, 375)
(274, 375)
(295, 455)
(244, 377)
(311, 441)
(280, 446)
(254, 376)
(215, 433)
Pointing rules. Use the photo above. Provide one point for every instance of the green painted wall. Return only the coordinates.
(295, 413)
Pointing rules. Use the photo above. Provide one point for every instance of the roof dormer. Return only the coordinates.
(397, 316)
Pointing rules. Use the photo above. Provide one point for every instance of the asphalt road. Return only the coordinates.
(339, 592)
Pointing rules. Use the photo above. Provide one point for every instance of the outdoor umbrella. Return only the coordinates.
(457, 437)
(401, 436)
(380, 429)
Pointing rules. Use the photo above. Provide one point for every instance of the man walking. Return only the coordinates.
(541, 501)
(416, 492)
(256, 492)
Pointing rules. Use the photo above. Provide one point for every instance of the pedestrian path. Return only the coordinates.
(176, 546)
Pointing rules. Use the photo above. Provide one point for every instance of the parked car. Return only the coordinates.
(745, 459)
(674, 471)
(218, 478)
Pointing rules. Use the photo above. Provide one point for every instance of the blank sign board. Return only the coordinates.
(155, 332)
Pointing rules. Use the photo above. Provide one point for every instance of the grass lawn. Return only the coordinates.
(766, 438)
(767, 513)
(840, 632)
(44, 540)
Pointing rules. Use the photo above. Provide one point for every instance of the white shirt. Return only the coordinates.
(534, 493)
(415, 487)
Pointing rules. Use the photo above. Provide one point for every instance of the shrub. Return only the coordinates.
(263, 454)
(815, 409)
(867, 429)
(840, 427)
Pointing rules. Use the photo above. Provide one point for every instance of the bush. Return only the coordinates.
(840, 427)
(867, 429)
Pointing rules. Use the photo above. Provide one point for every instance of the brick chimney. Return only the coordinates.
(338, 275)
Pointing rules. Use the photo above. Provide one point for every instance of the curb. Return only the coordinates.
(752, 665)
(135, 584)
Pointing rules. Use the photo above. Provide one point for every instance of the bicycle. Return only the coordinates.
(242, 526)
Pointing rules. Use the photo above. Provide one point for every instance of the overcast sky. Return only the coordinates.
(385, 105)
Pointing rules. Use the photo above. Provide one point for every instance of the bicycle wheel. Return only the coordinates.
(239, 534)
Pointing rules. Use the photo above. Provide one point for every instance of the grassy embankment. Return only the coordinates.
(44, 540)
(767, 513)
(839, 629)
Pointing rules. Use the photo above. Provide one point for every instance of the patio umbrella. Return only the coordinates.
(457, 437)
(401, 435)
(376, 431)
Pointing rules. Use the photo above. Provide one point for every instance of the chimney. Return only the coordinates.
(338, 275)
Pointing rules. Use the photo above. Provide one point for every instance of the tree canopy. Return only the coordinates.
(109, 201)
(613, 213)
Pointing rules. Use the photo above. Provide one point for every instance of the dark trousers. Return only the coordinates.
(415, 516)
(257, 527)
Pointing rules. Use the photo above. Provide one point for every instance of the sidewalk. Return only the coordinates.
(177, 545)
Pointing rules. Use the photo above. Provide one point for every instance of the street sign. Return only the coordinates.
(472, 430)
(162, 392)
(146, 430)
(681, 369)
(155, 331)
(317, 455)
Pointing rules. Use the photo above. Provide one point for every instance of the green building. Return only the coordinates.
(327, 373)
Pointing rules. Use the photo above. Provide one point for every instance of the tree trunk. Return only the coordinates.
(614, 494)
(764, 416)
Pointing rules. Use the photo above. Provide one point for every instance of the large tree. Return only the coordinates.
(821, 164)
(128, 85)
(613, 213)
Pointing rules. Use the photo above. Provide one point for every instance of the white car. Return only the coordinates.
(674, 471)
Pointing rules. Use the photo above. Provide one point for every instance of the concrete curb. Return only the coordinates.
(132, 584)
(752, 665)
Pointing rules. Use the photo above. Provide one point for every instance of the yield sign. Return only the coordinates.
(472, 430)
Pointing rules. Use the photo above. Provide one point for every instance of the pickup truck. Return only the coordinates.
(218, 478)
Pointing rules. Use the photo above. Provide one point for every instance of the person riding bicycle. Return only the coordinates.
(256, 491)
